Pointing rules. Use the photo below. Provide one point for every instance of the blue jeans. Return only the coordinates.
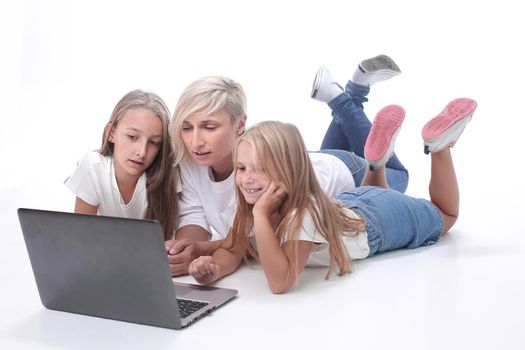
(394, 220)
(349, 130)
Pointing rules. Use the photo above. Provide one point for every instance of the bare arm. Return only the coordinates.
(193, 232)
(280, 269)
(82, 207)
(279, 266)
(191, 242)
(207, 269)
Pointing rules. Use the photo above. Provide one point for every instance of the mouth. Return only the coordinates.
(252, 191)
(136, 163)
(200, 154)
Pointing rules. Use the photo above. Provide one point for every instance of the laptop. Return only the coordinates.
(111, 267)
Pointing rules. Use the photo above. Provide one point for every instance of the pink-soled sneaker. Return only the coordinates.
(444, 130)
(381, 140)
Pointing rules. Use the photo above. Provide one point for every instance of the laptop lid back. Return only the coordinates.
(107, 267)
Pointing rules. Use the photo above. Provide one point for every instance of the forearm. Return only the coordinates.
(227, 261)
(274, 261)
(207, 247)
(208, 269)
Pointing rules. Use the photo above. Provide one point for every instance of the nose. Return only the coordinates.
(141, 148)
(196, 138)
(247, 176)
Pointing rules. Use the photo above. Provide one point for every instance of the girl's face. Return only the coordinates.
(210, 139)
(250, 181)
(137, 139)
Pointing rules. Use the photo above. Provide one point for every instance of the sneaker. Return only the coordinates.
(375, 69)
(381, 140)
(444, 130)
(325, 88)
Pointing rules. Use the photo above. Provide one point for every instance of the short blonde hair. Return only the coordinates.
(204, 97)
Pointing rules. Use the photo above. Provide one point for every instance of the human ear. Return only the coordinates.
(108, 130)
(242, 125)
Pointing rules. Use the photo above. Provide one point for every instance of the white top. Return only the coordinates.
(95, 183)
(356, 246)
(211, 205)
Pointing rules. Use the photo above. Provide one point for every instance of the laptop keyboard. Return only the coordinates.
(187, 307)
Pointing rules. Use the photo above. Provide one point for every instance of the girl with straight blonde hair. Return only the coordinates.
(285, 220)
(132, 174)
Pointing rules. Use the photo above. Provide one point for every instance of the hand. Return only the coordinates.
(204, 270)
(180, 254)
(270, 201)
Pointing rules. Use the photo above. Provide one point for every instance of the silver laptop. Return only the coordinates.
(110, 267)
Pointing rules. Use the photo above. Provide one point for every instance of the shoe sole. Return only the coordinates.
(379, 63)
(444, 129)
(317, 81)
(381, 140)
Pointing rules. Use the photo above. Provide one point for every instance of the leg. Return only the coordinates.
(350, 127)
(379, 147)
(439, 134)
(375, 178)
(443, 187)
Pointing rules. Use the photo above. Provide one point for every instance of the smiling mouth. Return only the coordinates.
(252, 190)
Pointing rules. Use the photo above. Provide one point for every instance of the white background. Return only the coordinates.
(64, 65)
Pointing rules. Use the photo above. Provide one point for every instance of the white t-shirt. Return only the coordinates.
(95, 183)
(356, 246)
(211, 205)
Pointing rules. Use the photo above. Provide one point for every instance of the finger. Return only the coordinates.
(168, 244)
(280, 192)
(179, 269)
(178, 246)
(272, 187)
(214, 268)
(203, 268)
(179, 258)
(192, 270)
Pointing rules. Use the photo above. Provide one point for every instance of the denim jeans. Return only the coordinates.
(394, 220)
(349, 130)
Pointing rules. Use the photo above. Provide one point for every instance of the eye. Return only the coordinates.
(186, 127)
(210, 127)
(155, 143)
(131, 137)
(241, 168)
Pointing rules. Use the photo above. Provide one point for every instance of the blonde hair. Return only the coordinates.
(280, 153)
(162, 175)
(204, 97)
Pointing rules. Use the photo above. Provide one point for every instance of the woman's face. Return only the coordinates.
(210, 139)
(251, 182)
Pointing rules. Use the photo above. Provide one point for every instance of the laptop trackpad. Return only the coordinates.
(203, 293)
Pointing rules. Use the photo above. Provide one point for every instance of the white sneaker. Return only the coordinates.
(375, 69)
(444, 130)
(325, 88)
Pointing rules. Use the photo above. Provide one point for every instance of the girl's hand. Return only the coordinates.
(270, 201)
(204, 269)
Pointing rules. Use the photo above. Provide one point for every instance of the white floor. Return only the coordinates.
(64, 65)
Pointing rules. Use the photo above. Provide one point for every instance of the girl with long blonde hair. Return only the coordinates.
(132, 174)
(286, 221)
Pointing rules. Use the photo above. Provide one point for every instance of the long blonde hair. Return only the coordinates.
(203, 97)
(280, 153)
(162, 175)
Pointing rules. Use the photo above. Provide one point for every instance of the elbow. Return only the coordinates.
(279, 288)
